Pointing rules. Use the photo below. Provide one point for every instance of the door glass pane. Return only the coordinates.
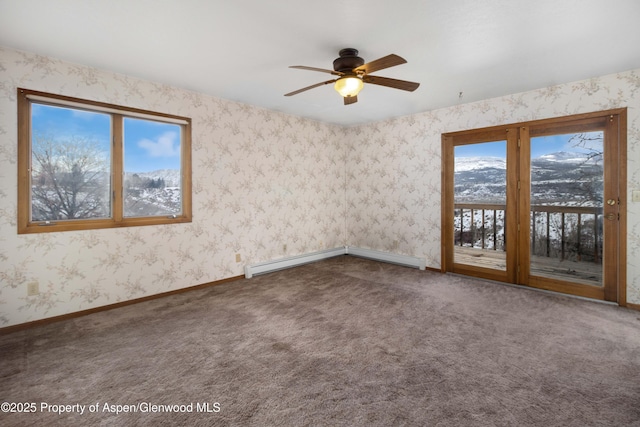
(152, 173)
(480, 178)
(70, 164)
(567, 178)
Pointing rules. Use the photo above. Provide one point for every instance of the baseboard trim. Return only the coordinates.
(405, 260)
(294, 261)
(28, 325)
(633, 306)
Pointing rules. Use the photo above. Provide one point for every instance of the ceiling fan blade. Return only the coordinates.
(380, 64)
(295, 92)
(348, 100)
(396, 84)
(322, 70)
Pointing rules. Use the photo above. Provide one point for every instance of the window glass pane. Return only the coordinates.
(567, 202)
(70, 163)
(152, 175)
(480, 197)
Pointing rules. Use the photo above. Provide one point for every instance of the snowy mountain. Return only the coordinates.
(565, 157)
(573, 178)
(171, 177)
(464, 164)
(567, 179)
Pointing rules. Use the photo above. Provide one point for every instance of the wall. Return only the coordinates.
(260, 179)
(393, 167)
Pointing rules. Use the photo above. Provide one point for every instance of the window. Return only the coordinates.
(85, 165)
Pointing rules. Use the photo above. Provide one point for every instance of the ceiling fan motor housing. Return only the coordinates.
(348, 60)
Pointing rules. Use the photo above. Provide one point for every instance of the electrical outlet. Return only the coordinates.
(33, 289)
(635, 196)
(238, 258)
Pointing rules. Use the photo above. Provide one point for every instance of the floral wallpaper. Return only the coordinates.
(265, 185)
(261, 180)
(394, 166)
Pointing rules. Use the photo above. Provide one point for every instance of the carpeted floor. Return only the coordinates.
(342, 342)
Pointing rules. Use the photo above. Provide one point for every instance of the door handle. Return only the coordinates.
(611, 217)
(611, 202)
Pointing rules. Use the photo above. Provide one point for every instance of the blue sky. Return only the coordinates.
(539, 146)
(148, 145)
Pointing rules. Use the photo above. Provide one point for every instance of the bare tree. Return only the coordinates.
(70, 179)
(586, 142)
(592, 168)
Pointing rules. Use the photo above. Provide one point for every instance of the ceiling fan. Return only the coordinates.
(354, 73)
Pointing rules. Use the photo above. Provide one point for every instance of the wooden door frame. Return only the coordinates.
(449, 141)
(616, 122)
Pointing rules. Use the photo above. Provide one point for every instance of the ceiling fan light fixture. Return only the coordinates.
(353, 73)
(349, 86)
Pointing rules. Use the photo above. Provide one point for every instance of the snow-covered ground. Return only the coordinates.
(557, 179)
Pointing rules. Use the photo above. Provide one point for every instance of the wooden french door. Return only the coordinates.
(539, 204)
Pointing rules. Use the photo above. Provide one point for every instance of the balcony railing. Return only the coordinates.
(563, 232)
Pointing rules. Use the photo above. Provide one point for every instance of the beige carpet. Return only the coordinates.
(342, 342)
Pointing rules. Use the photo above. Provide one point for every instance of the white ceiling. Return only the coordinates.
(241, 49)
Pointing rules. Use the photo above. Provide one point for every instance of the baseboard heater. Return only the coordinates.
(294, 261)
(406, 260)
